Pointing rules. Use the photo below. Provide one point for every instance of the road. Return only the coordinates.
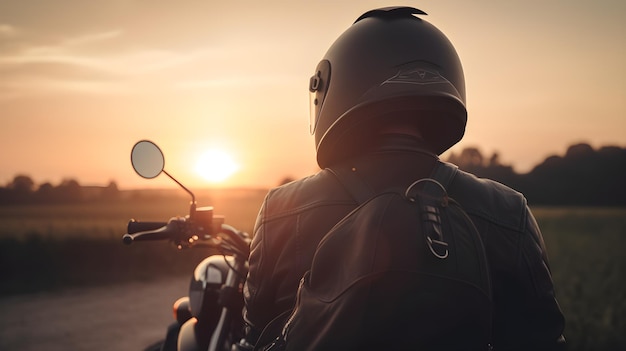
(122, 317)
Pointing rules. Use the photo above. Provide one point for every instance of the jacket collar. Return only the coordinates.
(400, 142)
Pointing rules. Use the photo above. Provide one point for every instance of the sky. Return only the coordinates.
(82, 81)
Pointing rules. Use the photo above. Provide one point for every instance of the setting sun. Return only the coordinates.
(216, 166)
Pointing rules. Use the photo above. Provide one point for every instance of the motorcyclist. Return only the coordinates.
(387, 98)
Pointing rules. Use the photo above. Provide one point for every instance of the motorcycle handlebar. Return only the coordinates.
(147, 231)
(135, 227)
(176, 230)
(239, 239)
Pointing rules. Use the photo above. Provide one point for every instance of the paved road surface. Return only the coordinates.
(124, 317)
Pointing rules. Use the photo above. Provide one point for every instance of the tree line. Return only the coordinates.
(584, 176)
(23, 190)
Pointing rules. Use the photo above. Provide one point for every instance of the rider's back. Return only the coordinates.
(296, 216)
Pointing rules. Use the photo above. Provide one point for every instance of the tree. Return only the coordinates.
(470, 159)
(22, 184)
(494, 161)
(111, 191)
(19, 190)
(45, 192)
(70, 190)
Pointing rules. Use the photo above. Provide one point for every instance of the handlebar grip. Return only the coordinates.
(153, 231)
(135, 227)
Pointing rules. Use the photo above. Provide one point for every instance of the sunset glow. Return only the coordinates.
(76, 92)
(216, 166)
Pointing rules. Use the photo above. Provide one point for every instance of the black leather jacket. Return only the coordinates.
(296, 216)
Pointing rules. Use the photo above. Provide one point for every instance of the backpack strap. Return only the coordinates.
(444, 173)
(431, 193)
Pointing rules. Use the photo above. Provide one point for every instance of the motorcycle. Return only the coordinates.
(210, 317)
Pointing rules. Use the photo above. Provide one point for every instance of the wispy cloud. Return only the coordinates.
(96, 63)
(7, 31)
(91, 38)
(235, 80)
(67, 51)
(114, 62)
(14, 89)
(152, 60)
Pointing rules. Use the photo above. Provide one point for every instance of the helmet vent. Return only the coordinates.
(392, 12)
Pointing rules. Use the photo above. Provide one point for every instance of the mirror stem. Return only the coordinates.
(193, 198)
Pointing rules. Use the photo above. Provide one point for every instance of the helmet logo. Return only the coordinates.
(416, 75)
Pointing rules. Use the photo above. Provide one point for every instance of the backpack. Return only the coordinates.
(405, 270)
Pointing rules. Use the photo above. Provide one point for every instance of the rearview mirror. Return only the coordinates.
(147, 159)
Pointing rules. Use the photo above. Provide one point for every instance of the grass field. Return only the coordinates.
(48, 247)
(586, 252)
(108, 220)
